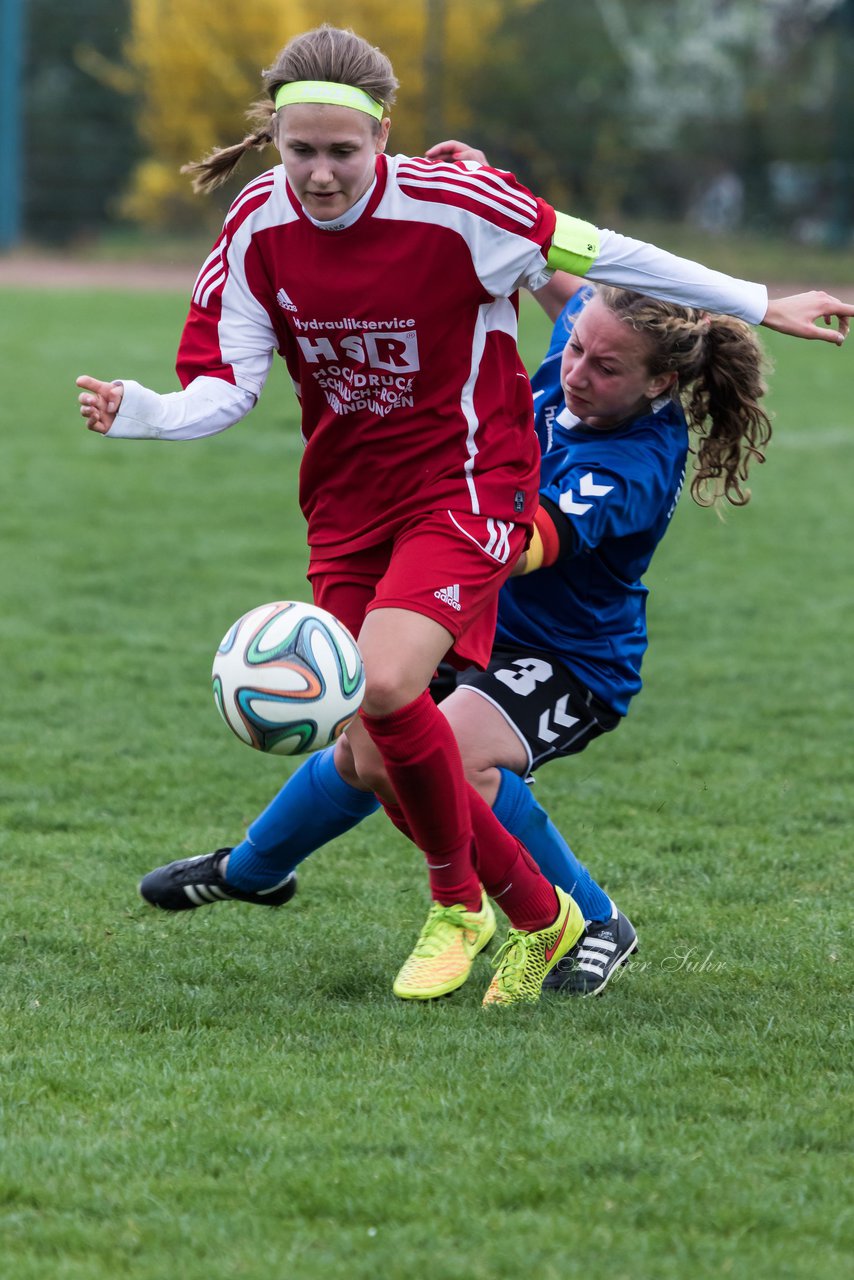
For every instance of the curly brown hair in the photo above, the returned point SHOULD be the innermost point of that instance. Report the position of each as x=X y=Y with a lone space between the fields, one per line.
x=325 y=53
x=720 y=369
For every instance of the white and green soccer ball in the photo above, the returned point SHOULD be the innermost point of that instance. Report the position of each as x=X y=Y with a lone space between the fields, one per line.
x=288 y=678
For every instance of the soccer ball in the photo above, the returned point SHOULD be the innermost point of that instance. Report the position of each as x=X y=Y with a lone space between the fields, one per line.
x=288 y=678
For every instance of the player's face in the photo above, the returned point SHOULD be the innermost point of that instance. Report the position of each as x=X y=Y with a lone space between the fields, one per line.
x=604 y=370
x=328 y=153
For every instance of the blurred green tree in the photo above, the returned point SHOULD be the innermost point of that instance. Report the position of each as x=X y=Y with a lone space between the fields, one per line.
x=551 y=105
x=670 y=107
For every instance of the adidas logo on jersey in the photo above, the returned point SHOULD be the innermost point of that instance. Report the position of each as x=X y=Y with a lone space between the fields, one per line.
x=284 y=301
x=449 y=595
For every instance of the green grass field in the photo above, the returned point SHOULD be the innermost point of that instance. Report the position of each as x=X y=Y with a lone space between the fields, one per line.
x=237 y=1093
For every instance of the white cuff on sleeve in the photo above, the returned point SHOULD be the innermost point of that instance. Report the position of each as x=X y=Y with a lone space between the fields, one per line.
x=633 y=264
x=207 y=406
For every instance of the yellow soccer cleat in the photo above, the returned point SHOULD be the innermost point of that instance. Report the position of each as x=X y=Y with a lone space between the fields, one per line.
x=525 y=958
x=445 y=951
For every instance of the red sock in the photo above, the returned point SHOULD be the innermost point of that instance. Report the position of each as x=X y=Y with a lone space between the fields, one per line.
x=425 y=769
x=509 y=873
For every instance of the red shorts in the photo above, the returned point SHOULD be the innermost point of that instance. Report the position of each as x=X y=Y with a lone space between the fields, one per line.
x=446 y=566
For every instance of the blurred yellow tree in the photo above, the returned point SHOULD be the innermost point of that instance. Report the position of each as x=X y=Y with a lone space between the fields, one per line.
x=196 y=67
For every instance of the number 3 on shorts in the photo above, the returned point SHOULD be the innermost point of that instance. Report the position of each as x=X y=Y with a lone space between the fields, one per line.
x=528 y=673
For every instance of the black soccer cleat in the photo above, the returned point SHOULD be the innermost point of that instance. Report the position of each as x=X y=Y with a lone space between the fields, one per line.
x=587 y=969
x=196 y=882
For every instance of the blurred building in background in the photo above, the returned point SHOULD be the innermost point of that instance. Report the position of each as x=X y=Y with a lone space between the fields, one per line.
x=729 y=113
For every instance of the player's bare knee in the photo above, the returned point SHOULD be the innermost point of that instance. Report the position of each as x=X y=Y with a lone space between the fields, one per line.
x=345 y=762
x=387 y=691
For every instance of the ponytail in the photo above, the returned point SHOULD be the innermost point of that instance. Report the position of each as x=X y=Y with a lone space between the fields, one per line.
x=723 y=407
x=217 y=168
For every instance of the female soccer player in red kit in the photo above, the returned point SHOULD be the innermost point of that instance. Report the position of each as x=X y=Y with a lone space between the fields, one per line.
x=388 y=286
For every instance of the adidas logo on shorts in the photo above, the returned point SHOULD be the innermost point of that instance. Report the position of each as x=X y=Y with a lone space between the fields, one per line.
x=449 y=595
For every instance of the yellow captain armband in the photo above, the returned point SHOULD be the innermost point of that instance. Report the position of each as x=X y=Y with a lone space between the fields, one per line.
x=534 y=556
x=575 y=245
x=551 y=538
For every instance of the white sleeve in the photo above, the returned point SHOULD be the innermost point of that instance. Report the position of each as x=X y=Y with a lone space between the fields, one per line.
x=633 y=264
x=206 y=406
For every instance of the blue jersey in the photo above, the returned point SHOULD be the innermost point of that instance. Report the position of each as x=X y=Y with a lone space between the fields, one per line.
x=618 y=490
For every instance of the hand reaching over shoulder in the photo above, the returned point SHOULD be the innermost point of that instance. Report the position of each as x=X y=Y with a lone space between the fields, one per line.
x=99 y=402
x=452 y=150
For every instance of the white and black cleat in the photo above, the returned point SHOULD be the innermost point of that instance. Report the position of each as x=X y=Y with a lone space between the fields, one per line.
x=198 y=882
x=587 y=969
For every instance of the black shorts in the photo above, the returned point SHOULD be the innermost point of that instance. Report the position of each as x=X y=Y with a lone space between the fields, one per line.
x=551 y=711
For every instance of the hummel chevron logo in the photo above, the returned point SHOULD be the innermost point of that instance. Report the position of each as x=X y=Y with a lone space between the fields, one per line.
x=560 y=717
x=284 y=301
x=449 y=595
x=587 y=488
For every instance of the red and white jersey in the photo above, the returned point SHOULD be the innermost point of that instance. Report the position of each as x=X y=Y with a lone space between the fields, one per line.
x=398 y=328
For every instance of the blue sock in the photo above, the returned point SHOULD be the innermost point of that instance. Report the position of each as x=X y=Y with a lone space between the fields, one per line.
x=313 y=807
x=518 y=811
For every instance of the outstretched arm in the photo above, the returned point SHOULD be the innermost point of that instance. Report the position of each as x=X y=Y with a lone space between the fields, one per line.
x=798 y=315
x=126 y=410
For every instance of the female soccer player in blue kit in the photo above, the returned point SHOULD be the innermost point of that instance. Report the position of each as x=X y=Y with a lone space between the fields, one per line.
x=571 y=629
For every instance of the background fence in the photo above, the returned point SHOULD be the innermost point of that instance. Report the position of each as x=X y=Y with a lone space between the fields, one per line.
x=731 y=116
